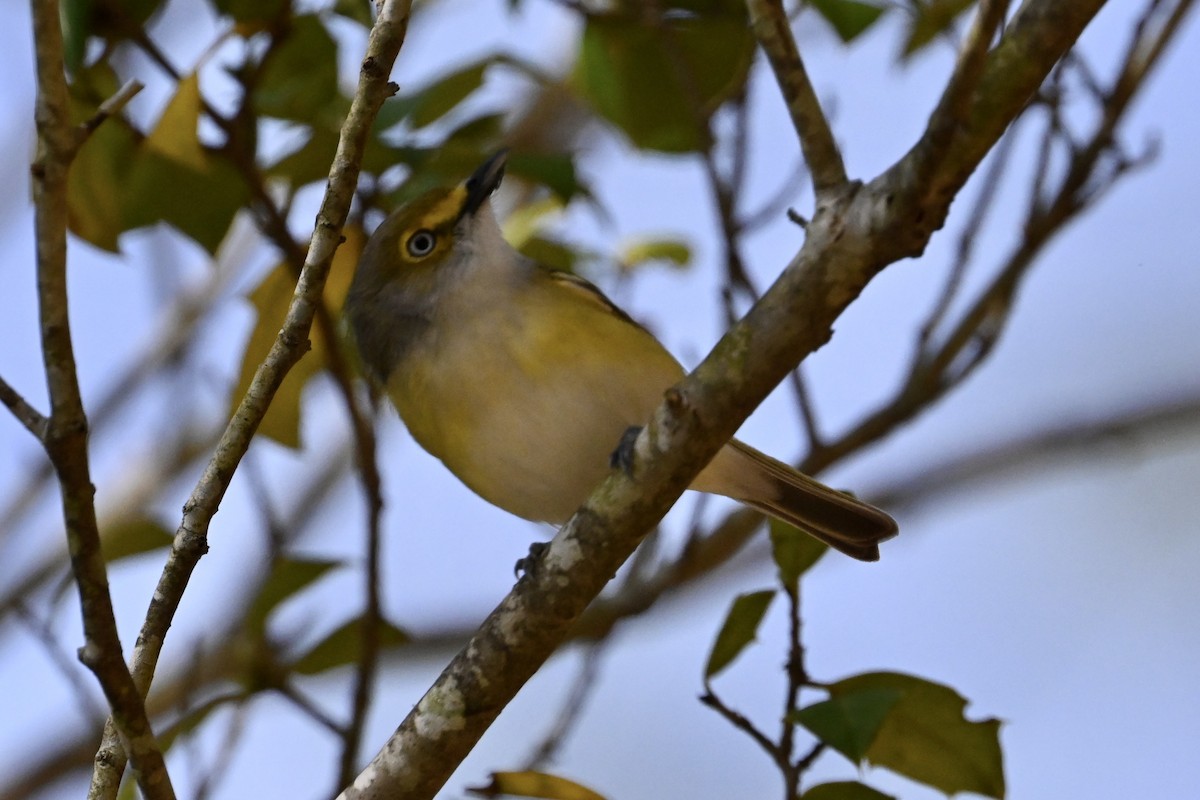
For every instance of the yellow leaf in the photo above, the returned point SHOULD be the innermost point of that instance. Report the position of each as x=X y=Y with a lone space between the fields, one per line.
x=271 y=299
x=535 y=784
x=175 y=136
x=524 y=223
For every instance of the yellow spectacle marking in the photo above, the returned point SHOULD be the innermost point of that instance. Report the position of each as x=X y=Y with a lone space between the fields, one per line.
x=444 y=210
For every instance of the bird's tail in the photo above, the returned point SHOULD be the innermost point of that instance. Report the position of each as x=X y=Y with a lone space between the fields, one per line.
x=772 y=487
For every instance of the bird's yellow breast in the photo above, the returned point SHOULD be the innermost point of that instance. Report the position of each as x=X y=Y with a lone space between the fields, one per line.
x=526 y=400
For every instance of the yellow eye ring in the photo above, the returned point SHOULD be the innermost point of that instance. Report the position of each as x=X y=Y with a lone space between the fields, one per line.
x=421 y=243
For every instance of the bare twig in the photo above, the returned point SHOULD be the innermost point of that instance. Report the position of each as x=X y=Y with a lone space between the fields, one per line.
x=85 y=699
x=743 y=724
x=797 y=679
x=368 y=659
x=108 y=108
x=26 y=414
x=66 y=430
x=967 y=238
x=581 y=689
x=954 y=107
x=969 y=340
x=821 y=153
x=1106 y=436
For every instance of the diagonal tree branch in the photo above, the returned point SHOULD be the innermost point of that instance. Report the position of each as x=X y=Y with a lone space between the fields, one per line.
x=851 y=238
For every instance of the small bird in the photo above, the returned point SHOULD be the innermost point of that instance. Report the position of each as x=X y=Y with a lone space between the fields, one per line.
x=523 y=380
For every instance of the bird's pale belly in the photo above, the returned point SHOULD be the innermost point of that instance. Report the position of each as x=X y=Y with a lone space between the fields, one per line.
x=534 y=447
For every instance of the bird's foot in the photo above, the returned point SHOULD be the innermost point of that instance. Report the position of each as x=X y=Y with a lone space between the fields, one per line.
x=622 y=457
x=529 y=564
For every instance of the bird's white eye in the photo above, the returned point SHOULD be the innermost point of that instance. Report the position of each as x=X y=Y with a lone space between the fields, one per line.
x=421 y=243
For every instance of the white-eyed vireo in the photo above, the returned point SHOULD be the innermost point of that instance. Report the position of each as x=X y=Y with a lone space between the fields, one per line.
x=523 y=380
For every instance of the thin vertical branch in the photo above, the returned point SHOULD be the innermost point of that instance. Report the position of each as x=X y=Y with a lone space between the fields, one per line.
x=66 y=430
x=774 y=33
x=191 y=539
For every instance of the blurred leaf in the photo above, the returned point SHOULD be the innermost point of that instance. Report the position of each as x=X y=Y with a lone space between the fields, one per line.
x=254 y=15
x=554 y=254
x=660 y=85
x=554 y=171
x=97 y=181
x=173 y=178
x=848 y=17
x=931 y=18
x=186 y=724
x=175 y=136
x=76 y=26
x=739 y=630
x=927 y=738
x=109 y=19
x=525 y=222
x=534 y=784
x=431 y=103
x=201 y=204
x=97 y=185
x=848 y=722
x=844 y=790
x=638 y=253
x=271 y=299
x=357 y=10
x=311 y=161
x=299 y=78
x=134 y=537
x=289 y=576
x=794 y=551
x=343 y=645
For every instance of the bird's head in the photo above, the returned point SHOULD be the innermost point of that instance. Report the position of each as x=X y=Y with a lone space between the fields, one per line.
x=418 y=257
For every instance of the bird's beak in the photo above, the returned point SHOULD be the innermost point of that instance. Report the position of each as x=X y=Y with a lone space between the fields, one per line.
x=484 y=181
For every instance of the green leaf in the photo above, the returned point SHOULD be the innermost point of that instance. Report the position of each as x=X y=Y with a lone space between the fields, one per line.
x=109 y=19
x=848 y=722
x=357 y=10
x=343 y=645
x=672 y=252
x=661 y=84
x=849 y=18
x=299 y=78
x=554 y=171
x=553 y=253
x=289 y=576
x=97 y=185
x=254 y=15
x=201 y=204
x=739 y=630
x=931 y=18
x=794 y=551
x=271 y=299
x=431 y=103
x=175 y=136
x=134 y=537
x=75 y=16
x=534 y=784
x=844 y=790
x=927 y=738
